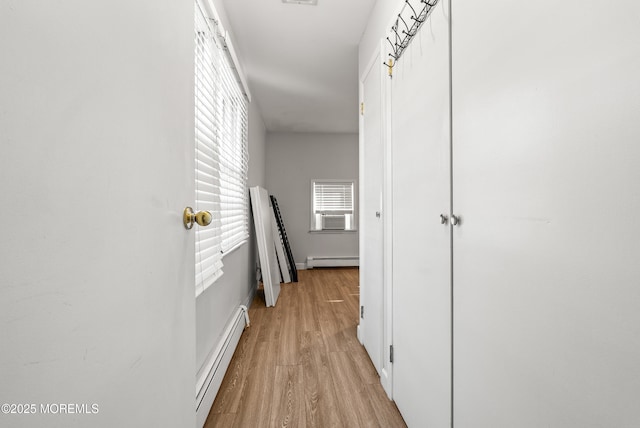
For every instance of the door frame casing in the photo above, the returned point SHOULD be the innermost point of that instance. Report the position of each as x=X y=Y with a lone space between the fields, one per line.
x=386 y=371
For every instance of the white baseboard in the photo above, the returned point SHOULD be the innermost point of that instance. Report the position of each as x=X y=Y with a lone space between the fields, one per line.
x=332 y=261
x=301 y=266
x=385 y=380
x=209 y=382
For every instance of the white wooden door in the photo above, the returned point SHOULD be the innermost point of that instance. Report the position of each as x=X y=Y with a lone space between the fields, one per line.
x=546 y=102
x=371 y=170
x=421 y=243
x=97 y=300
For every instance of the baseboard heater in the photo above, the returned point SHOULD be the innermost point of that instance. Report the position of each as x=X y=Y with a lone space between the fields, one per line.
x=210 y=377
x=332 y=261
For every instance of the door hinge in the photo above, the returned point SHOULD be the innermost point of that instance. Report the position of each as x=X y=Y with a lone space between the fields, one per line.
x=391 y=353
x=361 y=109
x=361 y=311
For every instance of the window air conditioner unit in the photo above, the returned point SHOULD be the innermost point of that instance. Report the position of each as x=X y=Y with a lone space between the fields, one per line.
x=333 y=222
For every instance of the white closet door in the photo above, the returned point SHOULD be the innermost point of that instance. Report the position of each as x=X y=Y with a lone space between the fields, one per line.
x=546 y=108
x=421 y=244
x=372 y=272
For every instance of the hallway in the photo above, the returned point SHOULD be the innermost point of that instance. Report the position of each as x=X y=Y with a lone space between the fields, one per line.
x=300 y=364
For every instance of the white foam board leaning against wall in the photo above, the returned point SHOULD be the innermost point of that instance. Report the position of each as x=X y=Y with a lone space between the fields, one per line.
x=266 y=245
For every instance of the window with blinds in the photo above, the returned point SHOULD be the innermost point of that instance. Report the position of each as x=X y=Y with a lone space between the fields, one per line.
x=234 y=196
x=332 y=205
x=221 y=153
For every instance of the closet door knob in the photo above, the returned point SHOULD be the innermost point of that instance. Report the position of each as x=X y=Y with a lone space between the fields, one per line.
x=203 y=218
x=455 y=220
x=443 y=219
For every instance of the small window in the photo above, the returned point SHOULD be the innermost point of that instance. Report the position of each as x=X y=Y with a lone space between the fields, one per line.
x=333 y=205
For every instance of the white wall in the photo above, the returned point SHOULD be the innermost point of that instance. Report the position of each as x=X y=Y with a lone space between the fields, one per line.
x=292 y=161
x=257 y=146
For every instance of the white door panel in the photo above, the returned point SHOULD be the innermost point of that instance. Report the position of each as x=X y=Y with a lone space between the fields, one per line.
x=546 y=104
x=421 y=244
x=96 y=165
x=372 y=271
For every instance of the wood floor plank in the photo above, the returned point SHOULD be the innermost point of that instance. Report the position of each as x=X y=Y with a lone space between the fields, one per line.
x=271 y=323
x=321 y=402
x=289 y=343
x=308 y=310
x=220 y=420
x=354 y=399
x=320 y=300
x=365 y=367
x=234 y=380
x=330 y=286
x=301 y=365
x=288 y=398
x=333 y=336
x=257 y=398
x=385 y=410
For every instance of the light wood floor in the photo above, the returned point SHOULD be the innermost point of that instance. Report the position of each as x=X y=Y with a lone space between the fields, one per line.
x=300 y=363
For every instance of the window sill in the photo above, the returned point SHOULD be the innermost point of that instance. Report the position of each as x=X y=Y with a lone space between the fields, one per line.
x=235 y=247
x=200 y=291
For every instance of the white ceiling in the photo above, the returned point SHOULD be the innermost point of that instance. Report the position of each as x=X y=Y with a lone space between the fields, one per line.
x=301 y=61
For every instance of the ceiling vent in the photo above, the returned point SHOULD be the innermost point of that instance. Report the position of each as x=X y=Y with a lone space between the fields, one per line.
x=307 y=2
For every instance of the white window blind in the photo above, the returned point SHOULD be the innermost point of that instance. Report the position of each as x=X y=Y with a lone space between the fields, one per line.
x=208 y=239
x=333 y=197
x=221 y=152
x=234 y=197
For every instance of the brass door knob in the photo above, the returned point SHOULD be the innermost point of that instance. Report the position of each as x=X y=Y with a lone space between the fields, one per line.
x=203 y=218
